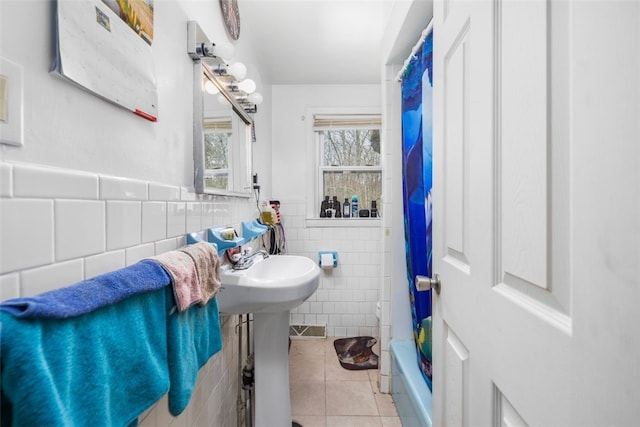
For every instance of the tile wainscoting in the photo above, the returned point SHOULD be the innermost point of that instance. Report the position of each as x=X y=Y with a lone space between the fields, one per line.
x=60 y=226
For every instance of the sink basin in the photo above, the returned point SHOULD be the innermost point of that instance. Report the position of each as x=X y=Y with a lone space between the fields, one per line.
x=274 y=284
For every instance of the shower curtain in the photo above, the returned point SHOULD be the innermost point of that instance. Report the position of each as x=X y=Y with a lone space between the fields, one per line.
x=417 y=89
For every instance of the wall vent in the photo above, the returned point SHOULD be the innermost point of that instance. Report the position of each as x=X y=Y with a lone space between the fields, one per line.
x=307 y=331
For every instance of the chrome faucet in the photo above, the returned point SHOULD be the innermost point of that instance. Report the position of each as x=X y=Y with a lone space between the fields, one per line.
x=246 y=259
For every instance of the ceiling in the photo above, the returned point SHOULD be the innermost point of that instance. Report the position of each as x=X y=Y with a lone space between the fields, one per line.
x=316 y=41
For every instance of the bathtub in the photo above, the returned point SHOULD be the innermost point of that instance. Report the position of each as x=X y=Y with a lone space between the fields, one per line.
x=410 y=393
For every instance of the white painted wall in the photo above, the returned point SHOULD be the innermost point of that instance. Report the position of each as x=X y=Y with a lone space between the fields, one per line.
x=96 y=188
x=67 y=127
x=290 y=104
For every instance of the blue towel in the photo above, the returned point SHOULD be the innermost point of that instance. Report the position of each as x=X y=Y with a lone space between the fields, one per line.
x=102 y=368
x=193 y=336
x=91 y=294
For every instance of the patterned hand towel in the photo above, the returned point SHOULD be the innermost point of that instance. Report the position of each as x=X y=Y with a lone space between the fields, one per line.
x=102 y=368
x=207 y=264
x=91 y=294
x=184 y=278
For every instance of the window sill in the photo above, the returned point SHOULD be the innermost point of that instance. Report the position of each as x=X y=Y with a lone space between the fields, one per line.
x=343 y=222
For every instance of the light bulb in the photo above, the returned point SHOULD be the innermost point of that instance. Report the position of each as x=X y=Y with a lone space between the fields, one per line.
x=255 y=98
x=237 y=70
x=247 y=86
x=210 y=88
x=224 y=50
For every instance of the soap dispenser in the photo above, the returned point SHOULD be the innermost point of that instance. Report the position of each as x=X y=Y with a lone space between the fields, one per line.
x=267 y=213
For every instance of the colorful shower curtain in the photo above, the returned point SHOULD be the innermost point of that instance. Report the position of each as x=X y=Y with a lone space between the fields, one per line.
x=417 y=89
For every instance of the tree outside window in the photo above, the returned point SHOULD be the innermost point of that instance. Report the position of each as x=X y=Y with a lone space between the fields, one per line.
x=216 y=155
x=350 y=159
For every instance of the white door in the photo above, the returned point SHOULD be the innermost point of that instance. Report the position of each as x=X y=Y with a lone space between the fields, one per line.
x=537 y=213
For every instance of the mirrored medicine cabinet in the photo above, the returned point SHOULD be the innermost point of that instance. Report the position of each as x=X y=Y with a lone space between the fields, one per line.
x=222 y=129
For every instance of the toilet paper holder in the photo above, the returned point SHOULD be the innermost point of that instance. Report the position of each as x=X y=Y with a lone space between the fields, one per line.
x=326 y=264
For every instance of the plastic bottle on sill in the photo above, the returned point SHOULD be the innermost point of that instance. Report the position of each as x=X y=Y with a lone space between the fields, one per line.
x=346 y=208
x=354 y=206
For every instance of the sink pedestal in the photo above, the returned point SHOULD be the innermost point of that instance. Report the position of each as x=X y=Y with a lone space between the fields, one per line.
x=269 y=289
x=271 y=348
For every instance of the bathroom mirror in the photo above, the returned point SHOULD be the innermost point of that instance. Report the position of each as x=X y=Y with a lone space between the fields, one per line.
x=222 y=137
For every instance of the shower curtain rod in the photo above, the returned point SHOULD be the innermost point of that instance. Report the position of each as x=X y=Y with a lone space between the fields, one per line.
x=418 y=45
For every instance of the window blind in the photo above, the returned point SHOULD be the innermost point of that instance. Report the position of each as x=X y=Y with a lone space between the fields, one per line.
x=351 y=121
x=222 y=124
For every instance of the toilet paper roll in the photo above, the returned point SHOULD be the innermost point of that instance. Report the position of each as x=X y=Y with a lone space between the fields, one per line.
x=326 y=261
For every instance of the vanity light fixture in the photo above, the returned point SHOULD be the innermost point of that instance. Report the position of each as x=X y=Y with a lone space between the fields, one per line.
x=221 y=76
x=213 y=50
x=237 y=70
x=248 y=86
x=210 y=88
x=249 y=102
x=255 y=98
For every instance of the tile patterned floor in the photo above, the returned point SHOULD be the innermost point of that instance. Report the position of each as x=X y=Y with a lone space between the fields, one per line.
x=324 y=394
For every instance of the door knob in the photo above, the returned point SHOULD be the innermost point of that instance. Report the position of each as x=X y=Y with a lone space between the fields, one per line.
x=424 y=283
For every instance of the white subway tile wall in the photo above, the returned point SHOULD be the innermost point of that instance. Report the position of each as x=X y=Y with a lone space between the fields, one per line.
x=26 y=233
x=347 y=295
x=37 y=280
x=79 y=228
x=391 y=157
x=176 y=219
x=114 y=188
x=154 y=221
x=6 y=180
x=103 y=263
x=58 y=227
x=10 y=286
x=35 y=181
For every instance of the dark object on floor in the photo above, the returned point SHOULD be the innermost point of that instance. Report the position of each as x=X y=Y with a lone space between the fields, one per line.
x=295 y=424
x=355 y=353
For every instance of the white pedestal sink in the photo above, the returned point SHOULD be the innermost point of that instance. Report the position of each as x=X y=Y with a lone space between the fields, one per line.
x=269 y=289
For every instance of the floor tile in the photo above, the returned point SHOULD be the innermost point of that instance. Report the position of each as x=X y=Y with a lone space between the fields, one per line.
x=353 y=421
x=350 y=398
x=306 y=367
x=307 y=347
x=386 y=408
x=324 y=394
x=390 y=422
x=312 y=420
x=307 y=398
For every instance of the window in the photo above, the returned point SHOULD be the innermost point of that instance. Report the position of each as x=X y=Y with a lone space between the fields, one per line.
x=349 y=158
x=217 y=136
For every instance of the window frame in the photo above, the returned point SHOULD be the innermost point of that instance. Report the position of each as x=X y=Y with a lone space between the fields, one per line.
x=315 y=160
x=210 y=127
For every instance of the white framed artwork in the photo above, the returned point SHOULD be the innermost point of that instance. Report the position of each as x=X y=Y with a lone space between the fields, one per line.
x=11 y=103
x=104 y=46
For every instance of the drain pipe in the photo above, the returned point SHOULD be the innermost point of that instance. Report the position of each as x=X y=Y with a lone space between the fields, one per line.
x=239 y=403
x=249 y=378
